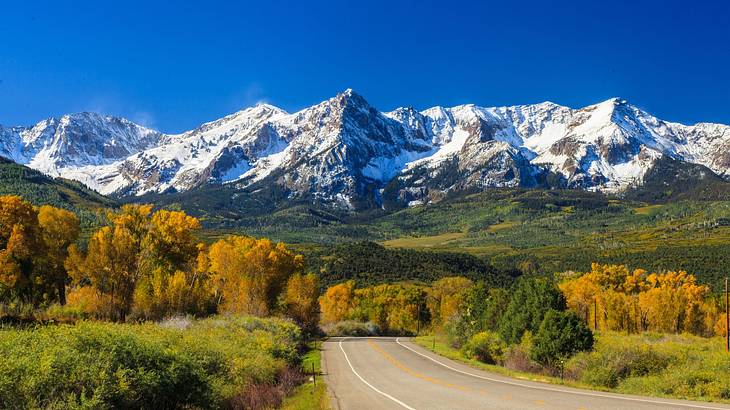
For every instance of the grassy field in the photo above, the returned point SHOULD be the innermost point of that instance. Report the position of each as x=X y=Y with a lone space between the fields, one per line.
x=672 y=366
x=433 y=241
x=310 y=396
x=238 y=362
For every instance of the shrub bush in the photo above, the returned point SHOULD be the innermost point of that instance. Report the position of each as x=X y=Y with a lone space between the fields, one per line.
x=561 y=334
x=101 y=365
x=352 y=328
x=487 y=347
x=610 y=366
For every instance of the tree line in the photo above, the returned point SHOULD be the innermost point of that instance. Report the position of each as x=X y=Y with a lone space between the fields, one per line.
x=146 y=265
x=613 y=297
x=541 y=319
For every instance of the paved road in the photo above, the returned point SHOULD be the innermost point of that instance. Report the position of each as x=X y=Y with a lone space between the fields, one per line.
x=393 y=373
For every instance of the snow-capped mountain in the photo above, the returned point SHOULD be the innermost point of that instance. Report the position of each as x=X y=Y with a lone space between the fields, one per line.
x=343 y=149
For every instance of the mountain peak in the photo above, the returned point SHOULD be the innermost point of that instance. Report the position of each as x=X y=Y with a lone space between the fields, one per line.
x=344 y=146
x=616 y=101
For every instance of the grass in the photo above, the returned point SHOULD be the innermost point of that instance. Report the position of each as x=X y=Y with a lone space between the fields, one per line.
x=677 y=366
x=308 y=396
x=671 y=366
x=425 y=241
x=647 y=210
x=217 y=362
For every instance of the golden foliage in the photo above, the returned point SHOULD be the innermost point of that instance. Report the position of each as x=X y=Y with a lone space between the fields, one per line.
x=337 y=301
x=301 y=300
x=59 y=230
x=33 y=246
x=638 y=301
x=445 y=296
x=248 y=274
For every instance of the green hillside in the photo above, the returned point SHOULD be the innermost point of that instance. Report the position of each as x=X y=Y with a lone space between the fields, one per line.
x=530 y=230
x=41 y=189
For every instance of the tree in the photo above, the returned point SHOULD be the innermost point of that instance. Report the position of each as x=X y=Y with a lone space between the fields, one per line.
x=445 y=297
x=113 y=262
x=14 y=211
x=16 y=265
x=481 y=310
x=531 y=299
x=337 y=302
x=20 y=251
x=249 y=274
x=170 y=282
x=59 y=229
x=637 y=301
x=301 y=300
x=560 y=335
x=672 y=301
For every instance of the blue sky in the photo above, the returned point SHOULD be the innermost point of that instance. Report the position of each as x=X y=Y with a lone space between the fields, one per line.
x=174 y=65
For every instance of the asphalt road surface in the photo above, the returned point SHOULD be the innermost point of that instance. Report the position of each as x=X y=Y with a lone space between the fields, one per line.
x=393 y=373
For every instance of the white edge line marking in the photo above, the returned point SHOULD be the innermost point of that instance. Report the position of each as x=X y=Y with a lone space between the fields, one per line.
x=370 y=385
x=581 y=393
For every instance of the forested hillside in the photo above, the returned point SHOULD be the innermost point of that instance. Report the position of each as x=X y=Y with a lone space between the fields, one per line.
x=41 y=189
x=528 y=230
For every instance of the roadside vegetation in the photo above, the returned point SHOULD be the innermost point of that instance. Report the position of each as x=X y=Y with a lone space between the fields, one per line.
x=219 y=362
x=611 y=328
x=311 y=395
x=143 y=315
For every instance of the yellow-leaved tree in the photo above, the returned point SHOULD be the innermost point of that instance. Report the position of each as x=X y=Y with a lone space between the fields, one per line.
x=59 y=230
x=300 y=300
x=248 y=274
x=337 y=301
x=445 y=296
x=638 y=301
x=112 y=263
x=170 y=282
x=21 y=253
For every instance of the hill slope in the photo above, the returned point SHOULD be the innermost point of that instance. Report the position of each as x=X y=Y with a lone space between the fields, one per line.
x=41 y=189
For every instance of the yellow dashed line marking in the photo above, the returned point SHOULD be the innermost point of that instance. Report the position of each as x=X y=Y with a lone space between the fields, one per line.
x=413 y=373
x=430 y=379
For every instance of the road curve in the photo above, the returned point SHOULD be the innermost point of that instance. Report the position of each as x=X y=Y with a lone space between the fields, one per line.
x=393 y=373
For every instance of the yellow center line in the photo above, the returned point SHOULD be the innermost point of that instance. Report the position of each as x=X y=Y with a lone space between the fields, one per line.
x=413 y=373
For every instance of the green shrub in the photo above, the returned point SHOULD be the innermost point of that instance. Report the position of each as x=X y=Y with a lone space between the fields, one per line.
x=102 y=365
x=561 y=334
x=487 y=347
x=610 y=366
x=531 y=299
x=682 y=366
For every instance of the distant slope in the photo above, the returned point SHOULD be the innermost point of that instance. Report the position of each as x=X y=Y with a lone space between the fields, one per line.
x=671 y=180
x=41 y=189
x=368 y=263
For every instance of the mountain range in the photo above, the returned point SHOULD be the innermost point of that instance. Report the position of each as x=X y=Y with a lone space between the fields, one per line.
x=345 y=152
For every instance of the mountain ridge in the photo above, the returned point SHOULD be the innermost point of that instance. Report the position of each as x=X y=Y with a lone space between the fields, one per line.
x=344 y=151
